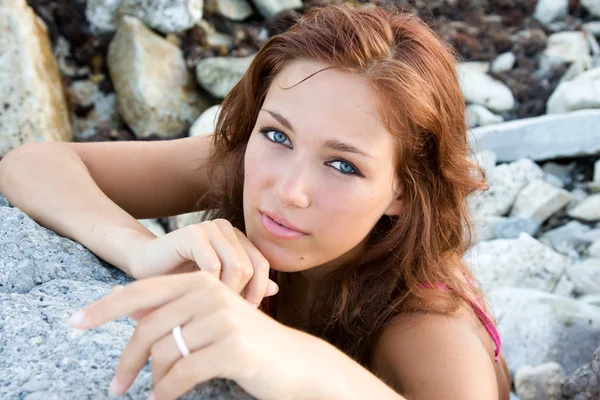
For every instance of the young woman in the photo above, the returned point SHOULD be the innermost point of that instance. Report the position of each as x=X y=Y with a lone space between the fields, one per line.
x=339 y=170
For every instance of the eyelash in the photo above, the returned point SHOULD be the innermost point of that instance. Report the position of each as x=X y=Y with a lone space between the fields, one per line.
x=265 y=132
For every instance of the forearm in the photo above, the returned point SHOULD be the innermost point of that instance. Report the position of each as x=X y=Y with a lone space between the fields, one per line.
x=340 y=377
x=55 y=189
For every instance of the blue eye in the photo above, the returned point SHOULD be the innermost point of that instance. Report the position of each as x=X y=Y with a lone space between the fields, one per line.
x=275 y=136
x=345 y=168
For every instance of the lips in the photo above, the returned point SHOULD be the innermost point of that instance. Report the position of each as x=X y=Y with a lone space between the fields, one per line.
x=282 y=222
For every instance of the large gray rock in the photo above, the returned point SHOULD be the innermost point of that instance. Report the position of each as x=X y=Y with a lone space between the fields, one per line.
x=584 y=384
x=480 y=88
x=538 y=327
x=33 y=106
x=541 y=138
x=154 y=97
x=522 y=262
x=218 y=75
x=44 y=278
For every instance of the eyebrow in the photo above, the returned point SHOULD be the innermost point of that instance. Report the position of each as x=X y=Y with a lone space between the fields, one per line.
x=333 y=144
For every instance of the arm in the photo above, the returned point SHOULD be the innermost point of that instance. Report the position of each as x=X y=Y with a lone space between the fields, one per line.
x=430 y=356
x=93 y=192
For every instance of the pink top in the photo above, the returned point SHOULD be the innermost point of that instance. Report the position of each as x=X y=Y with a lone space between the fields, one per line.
x=269 y=306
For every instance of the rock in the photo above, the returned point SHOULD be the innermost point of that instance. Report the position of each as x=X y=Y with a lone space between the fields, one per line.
x=583 y=384
x=547 y=11
x=92 y=109
x=593 y=27
x=588 y=209
x=504 y=62
x=592 y=299
x=562 y=172
x=538 y=327
x=569 y=236
x=592 y=6
x=218 y=75
x=594 y=249
x=154 y=97
x=513 y=396
x=153 y=226
x=207 y=123
x=597 y=172
x=64 y=60
x=486 y=160
x=565 y=287
x=504 y=187
x=270 y=8
x=522 y=262
x=163 y=15
x=540 y=382
x=511 y=228
x=235 y=10
x=45 y=278
x=183 y=220
x=480 y=88
x=568 y=47
x=586 y=276
x=541 y=138
x=478 y=115
x=33 y=106
x=579 y=93
x=539 y=201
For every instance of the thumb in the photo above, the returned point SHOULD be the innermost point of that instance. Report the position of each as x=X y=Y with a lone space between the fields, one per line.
x=272 y=288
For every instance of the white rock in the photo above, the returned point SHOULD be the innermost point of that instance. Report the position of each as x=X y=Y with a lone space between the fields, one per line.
x=593 y=27
x=541 y=138
x=597 y=171
x=504 y=62
x=588 y=209
x=235 y=10
x=153 y=226
x=565 y=286
x=579 y=93
x=218 y=75
x=592 y=6
x=539 y=201
x=591 y=299
x=566 y=237
x=568 y=46
x=33 y=107
x=484 y=226
x=183 y=220
x=594 y=249
x=504 y=186
x=547 y=11
x=206 y=124
x=64 y=59
x=480 y=88
x=163 y=15
x=560 y=171
x=540 y=382
x=522 y=262
x=478 y=115
x=538 y=327
x=270 y=8
x=154 y=97
x=586 y=276
x=486 y=160
x=103 y=115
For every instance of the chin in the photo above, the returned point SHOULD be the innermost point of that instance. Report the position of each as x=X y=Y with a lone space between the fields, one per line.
x=281 y=259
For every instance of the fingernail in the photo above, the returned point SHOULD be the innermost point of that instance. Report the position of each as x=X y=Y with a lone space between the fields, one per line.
x=115 y=387
x=77 y=318
x=151 y=396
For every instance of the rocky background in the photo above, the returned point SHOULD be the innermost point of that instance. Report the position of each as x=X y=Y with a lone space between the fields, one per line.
x=100 y=70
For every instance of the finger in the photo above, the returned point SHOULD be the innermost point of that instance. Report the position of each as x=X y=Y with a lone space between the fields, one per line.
x=139 y=295
x=200 y=366
x=136 y=316
x=256 y=288
x=233 y=262
x=197 y=334
x=203 y=253
x=150 y=330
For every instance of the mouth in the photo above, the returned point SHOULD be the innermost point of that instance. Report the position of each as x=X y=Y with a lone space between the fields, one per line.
x=279 y=227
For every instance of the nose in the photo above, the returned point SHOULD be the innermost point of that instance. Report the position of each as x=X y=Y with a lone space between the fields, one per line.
x=292 y=187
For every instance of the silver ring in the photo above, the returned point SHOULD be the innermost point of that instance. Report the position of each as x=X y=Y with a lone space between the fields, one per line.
x=180 y=342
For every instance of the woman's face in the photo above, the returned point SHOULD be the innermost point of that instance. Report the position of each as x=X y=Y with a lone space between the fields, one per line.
x=320 y=158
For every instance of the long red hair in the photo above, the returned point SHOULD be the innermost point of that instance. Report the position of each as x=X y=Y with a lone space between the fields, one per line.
x=419 y=99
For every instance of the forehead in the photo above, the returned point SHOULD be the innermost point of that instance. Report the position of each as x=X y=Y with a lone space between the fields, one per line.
x=331 y=104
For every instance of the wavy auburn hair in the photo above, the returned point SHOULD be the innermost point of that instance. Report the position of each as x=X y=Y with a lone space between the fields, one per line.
x=412 y=72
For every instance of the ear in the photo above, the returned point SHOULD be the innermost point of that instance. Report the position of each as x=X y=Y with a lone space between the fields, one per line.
x=395 y=206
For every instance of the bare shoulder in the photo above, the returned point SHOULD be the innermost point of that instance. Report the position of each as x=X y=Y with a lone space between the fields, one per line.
x=431 y=356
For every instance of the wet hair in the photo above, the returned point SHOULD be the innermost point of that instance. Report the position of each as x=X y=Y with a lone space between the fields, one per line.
x=412 y=72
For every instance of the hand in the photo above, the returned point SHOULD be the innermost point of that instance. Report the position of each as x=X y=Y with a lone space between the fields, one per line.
x=213 y=246
x=227 y=338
